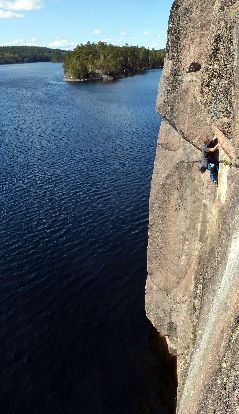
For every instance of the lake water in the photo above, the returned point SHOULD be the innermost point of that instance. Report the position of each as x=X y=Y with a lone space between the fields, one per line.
x=76 y=164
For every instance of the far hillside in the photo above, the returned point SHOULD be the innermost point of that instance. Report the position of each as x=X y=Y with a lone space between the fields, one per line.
x=27 y=54
x=94 y=61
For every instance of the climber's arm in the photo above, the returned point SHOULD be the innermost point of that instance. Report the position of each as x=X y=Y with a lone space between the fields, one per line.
x=214 y=148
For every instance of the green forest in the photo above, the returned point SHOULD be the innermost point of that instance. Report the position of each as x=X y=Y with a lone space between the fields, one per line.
x=27 y=54
x=99 y=60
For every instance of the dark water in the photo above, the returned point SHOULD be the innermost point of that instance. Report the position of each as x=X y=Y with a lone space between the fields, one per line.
x=76 y=163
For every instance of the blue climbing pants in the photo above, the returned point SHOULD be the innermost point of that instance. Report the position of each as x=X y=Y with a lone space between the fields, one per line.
x=213 y=171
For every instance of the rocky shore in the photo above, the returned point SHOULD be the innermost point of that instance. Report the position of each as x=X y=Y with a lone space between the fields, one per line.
x=100 y=76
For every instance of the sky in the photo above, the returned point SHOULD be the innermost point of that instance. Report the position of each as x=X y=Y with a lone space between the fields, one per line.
x=65 y=23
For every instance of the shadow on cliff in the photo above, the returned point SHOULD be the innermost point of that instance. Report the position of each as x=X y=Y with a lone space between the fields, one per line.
x=158 y=387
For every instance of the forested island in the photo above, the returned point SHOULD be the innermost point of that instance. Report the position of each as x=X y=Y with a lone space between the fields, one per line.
x=28 y=54
x=102 y=61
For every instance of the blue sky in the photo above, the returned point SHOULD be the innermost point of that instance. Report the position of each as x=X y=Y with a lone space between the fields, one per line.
x=66 y=23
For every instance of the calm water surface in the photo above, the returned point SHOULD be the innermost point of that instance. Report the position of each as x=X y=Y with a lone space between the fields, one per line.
x=76 y=163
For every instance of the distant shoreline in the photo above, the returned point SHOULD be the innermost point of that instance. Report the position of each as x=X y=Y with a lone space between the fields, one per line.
x=25 y=63
x=11 y=55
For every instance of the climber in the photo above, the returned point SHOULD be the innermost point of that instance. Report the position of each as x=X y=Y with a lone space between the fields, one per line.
x=210 y=158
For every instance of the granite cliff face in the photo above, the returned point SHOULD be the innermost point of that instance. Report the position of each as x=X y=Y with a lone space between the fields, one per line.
x=193 y=254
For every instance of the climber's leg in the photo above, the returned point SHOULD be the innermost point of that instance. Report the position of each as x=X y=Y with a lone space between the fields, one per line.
x=213 y=172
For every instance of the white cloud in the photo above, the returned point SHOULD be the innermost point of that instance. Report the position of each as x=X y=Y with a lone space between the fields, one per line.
x=124 y=33
x=11 y=8
x=57 y=43
x=62 y=44
x=105 y=40
x=21 y=4
x=16 y=42
x=146 y=33
x=13 y=42
x=97 y=32
x=31 y=42
x=7 y=14
x=21 y=42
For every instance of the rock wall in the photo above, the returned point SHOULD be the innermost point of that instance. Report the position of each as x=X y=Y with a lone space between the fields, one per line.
x=193 y=253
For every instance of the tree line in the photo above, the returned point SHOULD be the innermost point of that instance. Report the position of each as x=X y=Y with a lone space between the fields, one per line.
x=94 y=60
x=27 y=54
